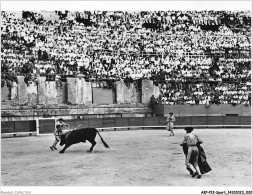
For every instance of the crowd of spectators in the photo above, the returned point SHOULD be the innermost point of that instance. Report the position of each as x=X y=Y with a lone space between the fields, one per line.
x=206 y=93
x=175 y=48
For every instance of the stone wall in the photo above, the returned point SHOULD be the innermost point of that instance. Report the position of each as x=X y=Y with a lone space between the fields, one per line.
x=5 y=93
x=76 y=91
x=9 y=93
x=126 y=94
x=14 y=92
x=79 y=91
x=29 y=112
x=49 y=92
x=27 y=94
x=102 y=96
x=42 y=90
x=149 y=89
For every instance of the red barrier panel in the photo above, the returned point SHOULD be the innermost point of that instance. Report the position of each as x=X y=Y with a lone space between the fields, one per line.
x=150 y=121
x=162 y=121
x=199 y=120
x=138 y=121
x=33 y=126
x=184 y=120
x=108 y=122
x=245 y=120
x=7 y=127
x=25 y=126
x=122 y=122
x=95 y=122
x=46 y=126
x=215 y=120
x=232 y=120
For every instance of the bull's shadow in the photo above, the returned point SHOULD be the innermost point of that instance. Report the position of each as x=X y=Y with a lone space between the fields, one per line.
x=82 y=151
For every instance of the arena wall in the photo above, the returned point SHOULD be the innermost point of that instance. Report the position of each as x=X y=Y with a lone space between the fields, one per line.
x=18 y=113
x=42 y=90
x=76 y=91
x=203 y=110
x=149 y=89
x=5 y=92
x=102 y=96
x=79 y=91
x=47 y=125
x=124 y=106
x=26 y=94
x=126 y=94
x=50 y=93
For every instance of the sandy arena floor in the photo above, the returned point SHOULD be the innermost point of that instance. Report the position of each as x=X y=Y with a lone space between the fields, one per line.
x=135 y=158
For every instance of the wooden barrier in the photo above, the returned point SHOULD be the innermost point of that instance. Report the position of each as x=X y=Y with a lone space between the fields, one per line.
x=245 y=120
x=25 y=126
x=138 y=121
x=199 y=120
x=14 y=128
x=186 y=120
x=231 y=120
x=95 y=122
x=162 y=121
x=150 y=121
x=7 y=127
x=47 y=126
x=215 y=120
x=108 y=122
x=122 y=122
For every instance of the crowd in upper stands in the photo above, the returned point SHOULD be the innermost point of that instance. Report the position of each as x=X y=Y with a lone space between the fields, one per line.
x=197 y=56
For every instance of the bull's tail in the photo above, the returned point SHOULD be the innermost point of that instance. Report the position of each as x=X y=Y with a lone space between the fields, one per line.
x=105 y=144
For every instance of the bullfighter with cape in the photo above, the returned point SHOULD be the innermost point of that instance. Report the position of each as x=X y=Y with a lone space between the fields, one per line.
x=201 y=157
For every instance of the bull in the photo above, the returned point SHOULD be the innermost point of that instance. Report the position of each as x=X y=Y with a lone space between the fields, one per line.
x=80 y=135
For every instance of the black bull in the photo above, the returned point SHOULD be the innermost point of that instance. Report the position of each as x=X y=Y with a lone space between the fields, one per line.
x=80 y=135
